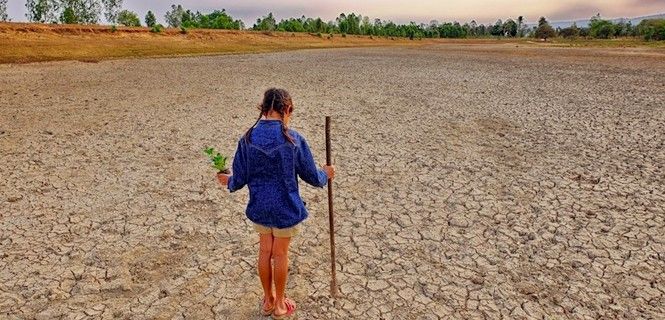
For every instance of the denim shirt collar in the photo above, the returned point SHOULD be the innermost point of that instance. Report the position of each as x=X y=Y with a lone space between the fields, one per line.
x=270 y=121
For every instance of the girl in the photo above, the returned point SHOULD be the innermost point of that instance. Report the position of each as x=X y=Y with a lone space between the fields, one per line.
x=269 y=158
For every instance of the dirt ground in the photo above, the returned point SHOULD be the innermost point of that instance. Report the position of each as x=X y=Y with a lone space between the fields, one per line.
x=473 y=182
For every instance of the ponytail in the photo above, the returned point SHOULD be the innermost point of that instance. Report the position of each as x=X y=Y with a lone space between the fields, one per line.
x=248 y=134
x=277 y=100
x=285 y=132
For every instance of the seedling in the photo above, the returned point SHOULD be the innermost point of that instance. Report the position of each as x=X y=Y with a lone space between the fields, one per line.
x=218 y=160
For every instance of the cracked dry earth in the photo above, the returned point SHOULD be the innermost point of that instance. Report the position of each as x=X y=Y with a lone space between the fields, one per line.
x=473 y=182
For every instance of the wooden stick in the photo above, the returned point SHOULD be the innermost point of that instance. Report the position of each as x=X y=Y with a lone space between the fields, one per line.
x=331 y=219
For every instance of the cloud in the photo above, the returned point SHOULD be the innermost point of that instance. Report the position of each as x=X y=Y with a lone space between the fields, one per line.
x=577 y=10
x=650 y=2
x=574 y=11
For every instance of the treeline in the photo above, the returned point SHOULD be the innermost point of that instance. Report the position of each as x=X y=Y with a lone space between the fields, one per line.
x=82 y=12
x=649 y=29
x=90 y=11
x=599 y=28
x=72 y=11
x=362 y=25
x=185 y=18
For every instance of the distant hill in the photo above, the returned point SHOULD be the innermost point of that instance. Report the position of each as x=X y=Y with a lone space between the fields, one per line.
x=585 y=23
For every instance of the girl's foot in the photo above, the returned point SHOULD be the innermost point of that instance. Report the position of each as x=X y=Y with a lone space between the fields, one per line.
x=268 y=306
x=287 y=309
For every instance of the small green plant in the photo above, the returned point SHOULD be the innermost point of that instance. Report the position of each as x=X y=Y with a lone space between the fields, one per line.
x=157 y=28
x=114 y=28
x=217 y=159
x=319 y=35
x=183 y=30
x=343 y=35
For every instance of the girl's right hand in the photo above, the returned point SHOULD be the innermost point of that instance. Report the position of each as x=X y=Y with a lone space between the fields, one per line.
x=223 y=179
x=330 y=171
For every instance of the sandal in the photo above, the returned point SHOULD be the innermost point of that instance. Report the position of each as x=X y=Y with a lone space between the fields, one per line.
x=266 y=312
x=290 y=310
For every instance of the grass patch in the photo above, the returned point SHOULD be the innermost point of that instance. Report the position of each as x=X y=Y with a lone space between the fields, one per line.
x=24 y=42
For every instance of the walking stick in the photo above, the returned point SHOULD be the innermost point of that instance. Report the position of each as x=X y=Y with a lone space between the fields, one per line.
x=331 y=219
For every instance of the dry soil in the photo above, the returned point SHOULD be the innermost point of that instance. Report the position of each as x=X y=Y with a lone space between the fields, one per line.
x=473 y=182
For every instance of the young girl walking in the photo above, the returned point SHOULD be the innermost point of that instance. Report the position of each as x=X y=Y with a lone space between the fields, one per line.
x=269 y=159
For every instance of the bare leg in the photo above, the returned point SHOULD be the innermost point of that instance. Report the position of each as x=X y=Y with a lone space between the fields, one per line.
x=265 y=269
x=280 y=250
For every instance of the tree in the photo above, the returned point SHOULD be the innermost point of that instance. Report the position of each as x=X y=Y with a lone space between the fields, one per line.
x=481 y=30
x=42 y=10
x=600 y=28
x=319 y=25
x=497 y=29
x=570 y=32
x=266 y=23
x=174 y=17
x=3 y=11
x=111 y=8
x=129 y=19
x=80 y=11
x=510 y=28
x=217 y=20
x=520 y=24
x=291 y=25
x=188 y=19
x=473 y=28
x=651 y=29
x=68 y=16
x=150 y=19
x=342 y=23
x=366 y=27
x=542 y=21
x=544 y=30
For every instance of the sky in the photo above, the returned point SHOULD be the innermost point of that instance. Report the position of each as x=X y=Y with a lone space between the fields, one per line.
x=483 y=11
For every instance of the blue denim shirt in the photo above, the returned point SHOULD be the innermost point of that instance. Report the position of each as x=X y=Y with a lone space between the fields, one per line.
x=270 y=166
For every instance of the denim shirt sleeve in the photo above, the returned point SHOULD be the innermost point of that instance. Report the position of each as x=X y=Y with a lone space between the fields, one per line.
x=239 y=177
x=306 y=167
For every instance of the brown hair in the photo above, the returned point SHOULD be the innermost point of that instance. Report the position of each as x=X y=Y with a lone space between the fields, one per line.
x=278 y=100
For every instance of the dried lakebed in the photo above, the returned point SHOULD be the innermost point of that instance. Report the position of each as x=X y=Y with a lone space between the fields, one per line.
x=473 y=182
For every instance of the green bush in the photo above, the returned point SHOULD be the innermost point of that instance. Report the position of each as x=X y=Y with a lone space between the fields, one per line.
x=652 y=29
x=570 y=32
x=69 y=16
x=545 y=31
x=129 y=19
x=319 y=35
x=157 y=28
x=183 y=30
x=600 y=28
x=343 y=35
x=114 y=28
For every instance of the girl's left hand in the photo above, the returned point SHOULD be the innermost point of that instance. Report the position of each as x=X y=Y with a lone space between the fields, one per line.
x=223 y=178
